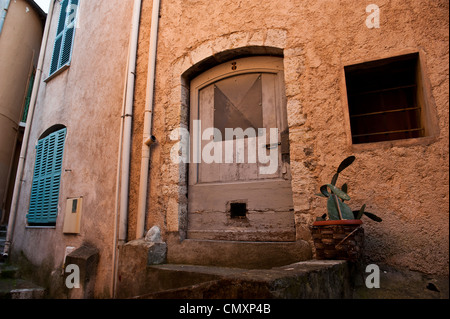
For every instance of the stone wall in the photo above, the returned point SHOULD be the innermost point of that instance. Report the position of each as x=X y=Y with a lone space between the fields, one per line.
x=404 y=182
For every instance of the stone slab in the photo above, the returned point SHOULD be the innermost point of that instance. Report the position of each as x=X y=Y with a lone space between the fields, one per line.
x=308 y=279
x=237 y=254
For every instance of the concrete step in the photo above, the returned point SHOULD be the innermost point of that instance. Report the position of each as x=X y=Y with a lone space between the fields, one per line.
x=307 y=279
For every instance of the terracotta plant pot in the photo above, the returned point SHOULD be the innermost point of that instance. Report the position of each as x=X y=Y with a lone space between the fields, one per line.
x=338 y=239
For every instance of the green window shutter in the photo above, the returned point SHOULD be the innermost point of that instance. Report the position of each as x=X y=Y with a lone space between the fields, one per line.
x=28 y=97
x=47 y=179
x=55 y=58
x=62 y=16
x=62 y=50
x=69 y=32
x=54 y=66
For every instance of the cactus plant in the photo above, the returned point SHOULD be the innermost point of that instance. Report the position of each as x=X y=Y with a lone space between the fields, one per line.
x=336 y=197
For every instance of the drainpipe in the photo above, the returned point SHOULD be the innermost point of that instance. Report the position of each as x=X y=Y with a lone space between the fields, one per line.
x=148 y=139
x=123 y=161
x=26 y=136
x=128 y=117
x=3 y=14
x=117 y=195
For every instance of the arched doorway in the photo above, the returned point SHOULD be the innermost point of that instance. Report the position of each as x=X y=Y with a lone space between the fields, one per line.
x=239 y=174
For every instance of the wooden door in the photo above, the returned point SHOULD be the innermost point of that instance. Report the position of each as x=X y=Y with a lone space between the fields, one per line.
x=239 y=177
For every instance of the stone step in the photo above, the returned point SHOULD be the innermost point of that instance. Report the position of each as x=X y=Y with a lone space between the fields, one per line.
x=2 y=245
x=3 y=234
x=14 y=287
x=237 y=254
x=307 y=279
x=20 y=289
x=199 y=261
x=8 y=272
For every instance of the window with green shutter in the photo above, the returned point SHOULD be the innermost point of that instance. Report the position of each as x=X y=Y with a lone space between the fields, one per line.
x=28 y=97
x=46 y=180
x=65 y=34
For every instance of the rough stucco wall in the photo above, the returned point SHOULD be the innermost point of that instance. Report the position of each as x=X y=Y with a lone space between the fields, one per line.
x=405 y=183
x=87 y=98
x=20 y=42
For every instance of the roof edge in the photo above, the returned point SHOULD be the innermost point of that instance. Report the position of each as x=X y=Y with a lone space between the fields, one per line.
x=38 y=9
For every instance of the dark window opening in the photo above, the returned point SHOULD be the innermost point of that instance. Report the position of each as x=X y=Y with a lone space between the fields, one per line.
x=74 y=206
x=238 y=210
x=384 y=99
x=42 y=224
x=51 y=130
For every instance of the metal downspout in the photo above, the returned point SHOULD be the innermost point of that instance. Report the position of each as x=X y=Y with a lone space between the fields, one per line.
x=128 y=117
x=124 y=156
x=148 y=139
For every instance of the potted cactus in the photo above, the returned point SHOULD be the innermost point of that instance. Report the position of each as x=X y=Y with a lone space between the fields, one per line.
x=339 y=233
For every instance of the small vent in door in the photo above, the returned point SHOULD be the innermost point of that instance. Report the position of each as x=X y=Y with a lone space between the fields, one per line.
x=238 y=210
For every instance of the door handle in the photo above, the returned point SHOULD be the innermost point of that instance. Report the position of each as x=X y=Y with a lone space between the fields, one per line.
x=272 y=146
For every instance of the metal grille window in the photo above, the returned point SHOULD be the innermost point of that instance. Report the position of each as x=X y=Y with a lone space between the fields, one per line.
x=46 y=180
x=65 y=34
x=384 y=99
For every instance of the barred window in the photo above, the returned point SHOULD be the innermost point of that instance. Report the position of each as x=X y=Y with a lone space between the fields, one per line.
x=385 y=100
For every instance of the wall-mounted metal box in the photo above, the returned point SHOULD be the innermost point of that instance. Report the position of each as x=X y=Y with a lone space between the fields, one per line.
x=72 y=218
